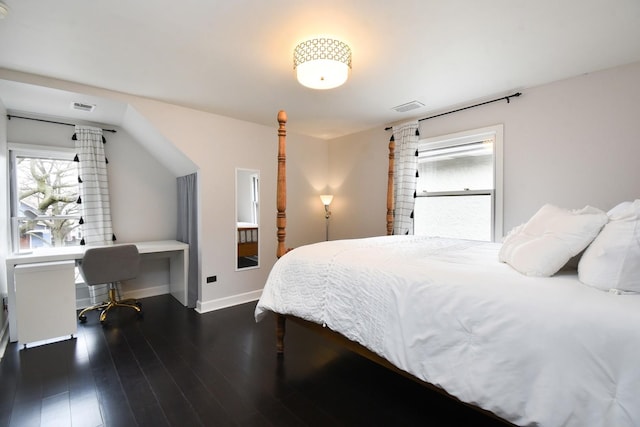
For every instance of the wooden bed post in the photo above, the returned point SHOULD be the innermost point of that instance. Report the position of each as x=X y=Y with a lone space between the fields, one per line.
x=281 y=191
x=280 y=330
x=281 y=221
x=390 y=185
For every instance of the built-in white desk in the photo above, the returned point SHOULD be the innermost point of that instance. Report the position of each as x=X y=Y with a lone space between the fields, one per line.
x=177 y=253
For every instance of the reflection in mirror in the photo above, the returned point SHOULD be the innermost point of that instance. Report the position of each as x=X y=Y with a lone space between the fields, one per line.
x=247 y=218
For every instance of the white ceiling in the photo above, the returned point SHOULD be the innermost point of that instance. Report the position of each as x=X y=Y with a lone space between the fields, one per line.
x=234 y=57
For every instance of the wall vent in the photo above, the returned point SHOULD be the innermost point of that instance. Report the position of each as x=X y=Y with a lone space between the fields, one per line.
x=408 y=106
x=83 y=107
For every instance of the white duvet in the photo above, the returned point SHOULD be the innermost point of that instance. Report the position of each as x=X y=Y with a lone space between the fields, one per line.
x=534 y=351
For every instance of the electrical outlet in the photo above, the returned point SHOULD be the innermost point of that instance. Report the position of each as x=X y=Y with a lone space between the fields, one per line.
x=212 y=279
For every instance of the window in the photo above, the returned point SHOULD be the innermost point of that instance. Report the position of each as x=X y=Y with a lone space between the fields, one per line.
x=44 y=192
x=459 y=189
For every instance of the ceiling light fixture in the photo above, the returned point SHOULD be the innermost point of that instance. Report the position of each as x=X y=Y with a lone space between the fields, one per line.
x=322 y=63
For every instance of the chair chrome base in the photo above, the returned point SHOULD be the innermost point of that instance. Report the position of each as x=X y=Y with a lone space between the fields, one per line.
x=108 y=305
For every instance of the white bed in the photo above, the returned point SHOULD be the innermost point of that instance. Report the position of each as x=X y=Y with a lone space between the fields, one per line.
x=534 y=351
x=506 y=328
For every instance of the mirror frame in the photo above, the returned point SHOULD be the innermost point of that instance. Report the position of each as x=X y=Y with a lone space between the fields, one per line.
x=250 y=208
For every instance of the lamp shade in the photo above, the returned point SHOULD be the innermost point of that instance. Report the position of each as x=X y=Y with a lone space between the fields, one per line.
x=322 y=63
x=326 y=199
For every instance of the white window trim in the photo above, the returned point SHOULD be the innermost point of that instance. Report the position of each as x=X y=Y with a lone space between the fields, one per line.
x=461 y=138
x=30 y=150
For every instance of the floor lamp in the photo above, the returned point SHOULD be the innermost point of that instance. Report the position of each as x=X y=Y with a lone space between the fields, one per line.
x=326 y=201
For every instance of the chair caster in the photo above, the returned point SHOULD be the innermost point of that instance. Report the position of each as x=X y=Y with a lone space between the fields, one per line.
x=82 y=319
x=139 y=314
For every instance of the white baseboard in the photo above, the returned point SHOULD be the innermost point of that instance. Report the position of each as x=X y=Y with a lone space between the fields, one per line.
x=221 y=303
x=201 y=307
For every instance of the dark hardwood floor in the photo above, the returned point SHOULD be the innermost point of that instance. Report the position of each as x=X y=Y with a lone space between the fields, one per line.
x=176 y=367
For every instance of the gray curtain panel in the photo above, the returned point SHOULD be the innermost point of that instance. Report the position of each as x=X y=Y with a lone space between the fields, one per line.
x=188 y=229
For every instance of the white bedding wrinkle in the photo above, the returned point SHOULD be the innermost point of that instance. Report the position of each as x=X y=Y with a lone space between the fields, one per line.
x=535 y=351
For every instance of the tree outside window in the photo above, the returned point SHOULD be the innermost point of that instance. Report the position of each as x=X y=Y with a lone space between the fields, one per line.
x=47 y=191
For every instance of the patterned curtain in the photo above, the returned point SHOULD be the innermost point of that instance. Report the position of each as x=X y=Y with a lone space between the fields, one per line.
x=94 y=188
x=405 y=176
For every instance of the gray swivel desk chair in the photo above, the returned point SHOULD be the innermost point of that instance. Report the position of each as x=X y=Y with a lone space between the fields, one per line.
x=109 y=265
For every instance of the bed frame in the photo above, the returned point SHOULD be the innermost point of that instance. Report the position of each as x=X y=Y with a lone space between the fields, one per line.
x=281 y=222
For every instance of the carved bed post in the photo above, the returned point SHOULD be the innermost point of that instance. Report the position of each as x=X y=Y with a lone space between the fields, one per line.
x=281 y=221
x=390 y=185
x=280 y=330
x=281 y=191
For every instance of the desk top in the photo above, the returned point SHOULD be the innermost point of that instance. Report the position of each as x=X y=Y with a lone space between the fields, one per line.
x=76 y=252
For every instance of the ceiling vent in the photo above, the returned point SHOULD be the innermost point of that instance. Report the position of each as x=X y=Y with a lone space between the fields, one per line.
x=83 y=107
x=408 y=106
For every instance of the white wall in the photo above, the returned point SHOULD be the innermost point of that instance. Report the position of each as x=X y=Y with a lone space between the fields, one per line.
x=143 y=194
x=217 y=145
x=572 y=142
x=358 y=171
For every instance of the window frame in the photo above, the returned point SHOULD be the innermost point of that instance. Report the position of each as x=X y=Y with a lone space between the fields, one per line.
x=496 y=132
x=33 y=151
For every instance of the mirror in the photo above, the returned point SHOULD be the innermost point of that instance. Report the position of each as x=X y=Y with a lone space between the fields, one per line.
x=247 y=218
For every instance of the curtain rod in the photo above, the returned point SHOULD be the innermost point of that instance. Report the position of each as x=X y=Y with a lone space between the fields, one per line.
x=507 y=98
x=9 y=116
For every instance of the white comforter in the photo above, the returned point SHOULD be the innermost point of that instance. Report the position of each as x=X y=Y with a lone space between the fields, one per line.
x=535 y=351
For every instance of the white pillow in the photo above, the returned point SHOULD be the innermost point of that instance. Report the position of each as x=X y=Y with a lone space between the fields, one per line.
x=544 y=244
x=612 y=261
